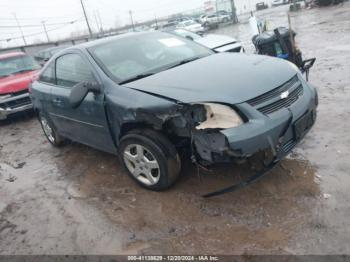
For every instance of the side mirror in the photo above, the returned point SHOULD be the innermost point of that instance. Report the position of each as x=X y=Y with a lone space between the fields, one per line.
x=189 y=37
x=80 y=91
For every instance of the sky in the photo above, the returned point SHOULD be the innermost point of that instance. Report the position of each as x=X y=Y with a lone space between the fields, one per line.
x=65 y=17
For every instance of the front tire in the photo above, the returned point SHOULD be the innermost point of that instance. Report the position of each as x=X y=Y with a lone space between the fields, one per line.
x=49 y=131
x=150 y=159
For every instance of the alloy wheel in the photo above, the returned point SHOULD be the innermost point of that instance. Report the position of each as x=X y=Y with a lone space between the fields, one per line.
x=47 y=129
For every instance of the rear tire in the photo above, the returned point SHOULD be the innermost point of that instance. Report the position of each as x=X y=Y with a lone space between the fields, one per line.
x=150 y=159
x=49 y=131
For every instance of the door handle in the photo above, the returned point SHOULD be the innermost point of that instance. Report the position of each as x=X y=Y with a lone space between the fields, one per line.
x=57 y=102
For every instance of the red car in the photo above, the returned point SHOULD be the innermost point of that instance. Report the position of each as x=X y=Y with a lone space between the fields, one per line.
x=17 y=71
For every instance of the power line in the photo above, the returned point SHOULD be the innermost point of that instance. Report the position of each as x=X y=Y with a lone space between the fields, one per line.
x=36 y=25
x=46 y=18
x=40 y=33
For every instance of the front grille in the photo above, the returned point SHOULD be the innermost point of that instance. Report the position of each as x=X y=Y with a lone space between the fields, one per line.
x=22 y=101
x=283 y=103
x=271 y=101
x=16 y=93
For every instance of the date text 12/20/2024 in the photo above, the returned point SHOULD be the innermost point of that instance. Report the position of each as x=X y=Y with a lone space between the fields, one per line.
x=173 y=258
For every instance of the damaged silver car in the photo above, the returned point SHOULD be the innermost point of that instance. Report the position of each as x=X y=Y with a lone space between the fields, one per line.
x=148 y=96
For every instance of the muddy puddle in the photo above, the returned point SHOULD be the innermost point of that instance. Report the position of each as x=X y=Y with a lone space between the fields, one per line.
x=260 y=216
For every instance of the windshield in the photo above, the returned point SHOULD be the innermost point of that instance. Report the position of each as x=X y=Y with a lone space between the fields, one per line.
x=127 y=57
x=17 y=64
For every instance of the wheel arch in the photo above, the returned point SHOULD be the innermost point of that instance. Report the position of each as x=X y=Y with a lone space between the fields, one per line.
x=127 y=127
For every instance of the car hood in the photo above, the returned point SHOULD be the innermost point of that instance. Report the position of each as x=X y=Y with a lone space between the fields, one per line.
x=213 y=41
x=224 y=77
x=17 y=82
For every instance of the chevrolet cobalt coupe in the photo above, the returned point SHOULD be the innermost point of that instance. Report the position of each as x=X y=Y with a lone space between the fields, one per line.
x=148 y=96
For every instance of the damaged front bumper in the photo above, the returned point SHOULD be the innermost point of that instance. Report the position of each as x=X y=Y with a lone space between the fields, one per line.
x=278 y=132
x=14 y=103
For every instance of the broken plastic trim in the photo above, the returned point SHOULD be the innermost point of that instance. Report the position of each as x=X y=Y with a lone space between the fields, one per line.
x=258 y=175
x=242 y=184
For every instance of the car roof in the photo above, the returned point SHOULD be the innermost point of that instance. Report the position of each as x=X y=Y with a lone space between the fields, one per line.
x=12 y=54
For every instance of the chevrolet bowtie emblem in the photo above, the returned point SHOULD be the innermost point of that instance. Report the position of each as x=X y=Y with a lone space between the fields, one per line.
x=284 y=95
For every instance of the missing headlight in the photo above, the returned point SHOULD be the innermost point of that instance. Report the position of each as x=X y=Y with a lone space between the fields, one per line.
x=219 y=116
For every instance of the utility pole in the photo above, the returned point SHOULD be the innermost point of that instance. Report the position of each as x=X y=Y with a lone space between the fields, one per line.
x=234 y=14
x=47 y=35
x=96 y=21
x=155 y=18
x=216 y=6
x=20 y=29
x=86 y=19
x=132 y=21
x=99 y=19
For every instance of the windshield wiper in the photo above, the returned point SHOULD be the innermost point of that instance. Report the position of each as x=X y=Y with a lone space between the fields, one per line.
x=140 y=76
x=185 y=61
x=134 y=78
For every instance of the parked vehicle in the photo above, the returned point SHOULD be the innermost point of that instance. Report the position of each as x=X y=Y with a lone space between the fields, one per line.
x=17 y=70
x=280 y=2
x=210 y=21
x=261 y=6
x=191 y=26
x=180 y=19
x=44 y=55
x=201 y=19
x=218 y=43
x=170 y=25
x=147 y=96
x=224 y=16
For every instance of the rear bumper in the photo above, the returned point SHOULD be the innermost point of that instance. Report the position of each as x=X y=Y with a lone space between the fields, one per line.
x=278 y=132
x=15 y=104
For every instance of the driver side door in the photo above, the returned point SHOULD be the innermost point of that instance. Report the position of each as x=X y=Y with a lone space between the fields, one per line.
x=87 y=123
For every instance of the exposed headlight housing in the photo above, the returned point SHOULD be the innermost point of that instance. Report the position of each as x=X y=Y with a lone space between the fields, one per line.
x=219 y=116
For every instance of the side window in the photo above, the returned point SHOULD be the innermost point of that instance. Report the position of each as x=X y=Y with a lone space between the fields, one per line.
x=48 y=75
x=71 y=69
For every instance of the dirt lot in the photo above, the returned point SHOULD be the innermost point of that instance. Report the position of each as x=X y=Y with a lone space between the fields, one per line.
x=77 y=200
